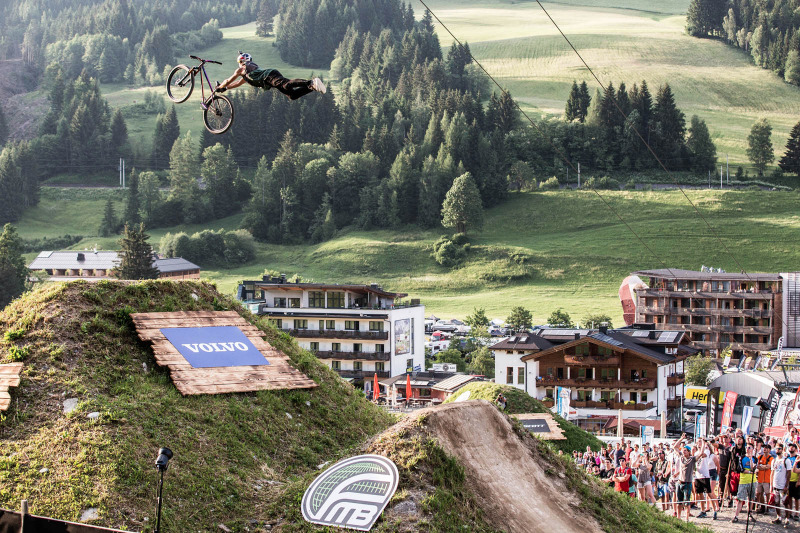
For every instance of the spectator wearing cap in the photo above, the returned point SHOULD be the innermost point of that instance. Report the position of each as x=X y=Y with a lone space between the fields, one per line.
x=622 y=476
x=747 y=480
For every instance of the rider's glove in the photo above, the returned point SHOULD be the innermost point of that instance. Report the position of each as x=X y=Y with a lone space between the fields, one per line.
x=221 y=89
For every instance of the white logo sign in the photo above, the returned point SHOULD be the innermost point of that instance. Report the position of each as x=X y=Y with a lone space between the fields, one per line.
x=352 y=493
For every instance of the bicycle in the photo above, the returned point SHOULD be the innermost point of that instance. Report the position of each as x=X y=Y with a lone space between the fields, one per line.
x=217 y=109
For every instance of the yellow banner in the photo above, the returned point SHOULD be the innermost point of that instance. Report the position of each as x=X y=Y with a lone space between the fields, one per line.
x=700 y=394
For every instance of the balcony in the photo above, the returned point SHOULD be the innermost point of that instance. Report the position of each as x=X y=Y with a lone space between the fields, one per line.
x=591 y=360
x=711 y=345
x=362 y=374
x=674 y=404
x=611 y=405
x=675 y=379
x=338 y=334
x=548 y=381
x=702 y=311
x=353 y=356
x=662 y=293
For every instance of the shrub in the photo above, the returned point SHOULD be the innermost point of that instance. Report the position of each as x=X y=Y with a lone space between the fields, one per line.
x=459 y=239
x=449 y=254
x=630 y=185
x=550 y=184
x=604 y=183
x=210 y=247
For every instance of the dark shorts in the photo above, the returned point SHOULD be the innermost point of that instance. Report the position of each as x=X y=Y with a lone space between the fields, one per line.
x=684 y=492
x=713 y=474
x=702 y=485
x=794 y=490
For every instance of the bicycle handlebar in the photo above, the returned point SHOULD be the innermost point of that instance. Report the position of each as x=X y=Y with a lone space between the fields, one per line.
x=205 y=60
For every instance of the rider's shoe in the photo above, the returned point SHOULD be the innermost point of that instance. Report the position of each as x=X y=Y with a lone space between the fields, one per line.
x=318 y=86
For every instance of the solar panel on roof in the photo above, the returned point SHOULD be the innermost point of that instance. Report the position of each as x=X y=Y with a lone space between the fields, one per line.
x=641 y=333
x=523 y=339
x=668 y=336
x=606 y=339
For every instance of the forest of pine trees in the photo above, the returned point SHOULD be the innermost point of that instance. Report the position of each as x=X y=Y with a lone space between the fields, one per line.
x=768 y=31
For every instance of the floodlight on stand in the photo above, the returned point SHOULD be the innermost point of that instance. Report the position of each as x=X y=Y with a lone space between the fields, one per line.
x=162 y=463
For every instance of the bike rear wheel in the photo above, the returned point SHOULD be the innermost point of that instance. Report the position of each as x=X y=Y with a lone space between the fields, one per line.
x=218 y=114
x=180 y=84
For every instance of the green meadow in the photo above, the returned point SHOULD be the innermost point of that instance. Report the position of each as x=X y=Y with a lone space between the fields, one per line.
x=543 y=251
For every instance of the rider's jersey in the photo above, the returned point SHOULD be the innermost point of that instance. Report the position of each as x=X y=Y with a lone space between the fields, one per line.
x=257 y=77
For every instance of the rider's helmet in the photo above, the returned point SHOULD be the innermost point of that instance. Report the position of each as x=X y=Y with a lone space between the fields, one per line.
x=244 y=58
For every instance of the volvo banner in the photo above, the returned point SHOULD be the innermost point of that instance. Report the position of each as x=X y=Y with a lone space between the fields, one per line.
x=215 y=346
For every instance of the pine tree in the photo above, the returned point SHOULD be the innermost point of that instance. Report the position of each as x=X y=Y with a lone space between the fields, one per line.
x=572 y=109
x=13 y=272
x=704 y=153
x=502 y=113
x=136 y=255
x=462 y=208
x=759 y=145
x=790 y=162
x=184 y=169
x=218 y=172
x=119 y=134
x=671 y=128
x=131 y=216
x=109 y=224
x=3 y=128
x=585 y=102
x=167 y=132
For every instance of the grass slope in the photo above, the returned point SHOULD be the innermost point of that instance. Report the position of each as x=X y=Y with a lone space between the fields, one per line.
x=520 y=402
x=233 y=452
x=622 y=41
x=540 y=250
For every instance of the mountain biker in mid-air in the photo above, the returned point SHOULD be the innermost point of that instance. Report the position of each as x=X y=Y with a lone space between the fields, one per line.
x=267 y=78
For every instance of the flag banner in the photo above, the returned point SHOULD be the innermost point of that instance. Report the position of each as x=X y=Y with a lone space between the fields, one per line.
x=727 y=410
x=747 y=416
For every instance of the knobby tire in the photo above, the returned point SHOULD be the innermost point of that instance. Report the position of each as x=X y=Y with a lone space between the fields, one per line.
x=180 y=84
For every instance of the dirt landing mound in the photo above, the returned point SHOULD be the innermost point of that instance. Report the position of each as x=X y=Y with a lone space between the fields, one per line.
x=507 y=477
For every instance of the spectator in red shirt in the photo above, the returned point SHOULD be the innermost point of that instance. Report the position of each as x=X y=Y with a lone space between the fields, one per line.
x=622 y=476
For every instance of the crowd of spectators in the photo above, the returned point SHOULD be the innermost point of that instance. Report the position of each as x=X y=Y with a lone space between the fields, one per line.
x=731 y=468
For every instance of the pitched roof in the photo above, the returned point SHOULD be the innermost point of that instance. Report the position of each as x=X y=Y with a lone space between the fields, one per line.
x=677 y=273
x=618 y=342
x=523 y=341
x=99 y=260
x=454 y=383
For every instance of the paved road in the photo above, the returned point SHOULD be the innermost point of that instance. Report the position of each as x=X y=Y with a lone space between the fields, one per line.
x=758 y=523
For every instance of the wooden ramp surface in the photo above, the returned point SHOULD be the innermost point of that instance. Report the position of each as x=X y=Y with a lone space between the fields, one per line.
x=555 y=432
x=9 y=377
x=279 y=374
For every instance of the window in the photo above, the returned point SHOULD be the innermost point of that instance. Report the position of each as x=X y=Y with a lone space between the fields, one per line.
x=336 y=365
x=379 y=348
x=644 y=397
x=375 y=325
x=336 y=346
x=608 y=373
x=581 y=373
x=277 y=322
x=314 y=346
x=300 y=323
x=605 y=395
x=294 y=302
x=316 y=299
x=550 y=372
x=560 y=373
x=510 y=374
x=548 y=393
x=583 y=349
x=633 y=397
x=604 y=351
x=279 y=302
x=321 y=325
x=409 y=365
x=357 y=347
x=521 y=375
x=584 y=395
x=379 y=366
x=351 y=325
x=330 y=324
x=358 y=366
x=336 y=299
x=644 y=373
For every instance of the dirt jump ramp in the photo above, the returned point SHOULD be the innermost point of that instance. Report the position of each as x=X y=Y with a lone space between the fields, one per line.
x=507 y=477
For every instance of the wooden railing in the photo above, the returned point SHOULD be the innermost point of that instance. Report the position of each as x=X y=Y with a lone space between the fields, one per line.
x=353 y=356
x=547 y=381
x=338 y=334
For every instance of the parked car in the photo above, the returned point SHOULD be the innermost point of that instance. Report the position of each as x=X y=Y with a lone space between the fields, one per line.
x=444 y=325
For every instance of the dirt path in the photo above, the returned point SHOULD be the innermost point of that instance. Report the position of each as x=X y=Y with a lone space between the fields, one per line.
x=511 y=485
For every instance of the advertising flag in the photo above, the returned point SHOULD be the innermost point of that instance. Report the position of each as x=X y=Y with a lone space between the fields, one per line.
x=727 y=410
x=747 y=415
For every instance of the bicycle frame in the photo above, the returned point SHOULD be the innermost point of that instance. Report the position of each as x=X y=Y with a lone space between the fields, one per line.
x=199 y=68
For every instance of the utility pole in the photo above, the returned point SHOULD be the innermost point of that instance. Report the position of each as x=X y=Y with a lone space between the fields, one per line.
x=709 y=179
x=579 y=175
x=119 y=169
x=727 y=171
x=720 y=177
x=123 y=173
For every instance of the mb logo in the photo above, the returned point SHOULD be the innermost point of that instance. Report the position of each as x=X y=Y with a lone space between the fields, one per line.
x=352 y=493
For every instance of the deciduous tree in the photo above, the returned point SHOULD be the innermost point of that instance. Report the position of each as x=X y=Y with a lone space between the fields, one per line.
x=477 y=318
x=560 y=319
x=759 y=145
x=482 y=362
x=519 y=319
x=462 y=208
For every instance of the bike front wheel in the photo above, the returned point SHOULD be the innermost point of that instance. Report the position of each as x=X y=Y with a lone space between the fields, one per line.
x=218 y=114
x=180 y=84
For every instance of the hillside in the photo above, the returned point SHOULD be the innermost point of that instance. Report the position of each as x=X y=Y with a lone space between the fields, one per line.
x=231 y=451
x=625 y=41
x=539 y=250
